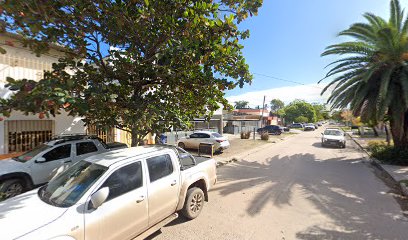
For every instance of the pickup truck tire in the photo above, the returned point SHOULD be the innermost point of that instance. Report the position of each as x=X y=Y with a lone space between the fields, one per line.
x=194 y=203
x=11 y=187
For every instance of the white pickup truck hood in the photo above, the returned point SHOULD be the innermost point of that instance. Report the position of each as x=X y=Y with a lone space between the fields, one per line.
x=11 y=166
x=25 y=213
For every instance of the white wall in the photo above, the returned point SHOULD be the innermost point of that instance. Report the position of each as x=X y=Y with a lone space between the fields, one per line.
x=63 y=124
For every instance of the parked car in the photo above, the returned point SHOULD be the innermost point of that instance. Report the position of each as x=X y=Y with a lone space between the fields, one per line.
x=309 y=127
x=121 y=194
x=193 y=141
x=39 y=165
x=271 y=129
x=296 y=125
x=333 y=137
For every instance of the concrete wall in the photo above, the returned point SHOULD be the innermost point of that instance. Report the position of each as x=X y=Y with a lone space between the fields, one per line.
x=63 y=124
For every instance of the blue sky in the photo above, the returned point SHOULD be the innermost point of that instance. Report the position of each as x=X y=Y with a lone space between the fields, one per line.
x=287 y=38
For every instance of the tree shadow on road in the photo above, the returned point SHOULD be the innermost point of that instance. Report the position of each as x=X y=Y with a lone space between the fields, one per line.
x=342 y=197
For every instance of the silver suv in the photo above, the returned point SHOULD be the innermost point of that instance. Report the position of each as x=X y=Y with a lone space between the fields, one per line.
x=39 y=165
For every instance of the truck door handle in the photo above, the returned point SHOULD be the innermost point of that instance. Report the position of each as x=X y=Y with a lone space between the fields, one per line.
x=68 y=161
x=174 y=182
x=140 y=199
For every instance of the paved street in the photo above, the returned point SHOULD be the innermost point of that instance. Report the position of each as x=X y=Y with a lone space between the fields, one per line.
x=297 y=190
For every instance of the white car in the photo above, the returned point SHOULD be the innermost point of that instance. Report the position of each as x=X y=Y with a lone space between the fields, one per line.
x=193 y=141
x=39 y=165
x=334 y=137
x=115 y=195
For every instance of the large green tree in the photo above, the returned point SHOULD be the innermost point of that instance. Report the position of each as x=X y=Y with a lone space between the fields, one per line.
x=276 y=105
x=372 y=77
x=299 y=109
x=138 y=65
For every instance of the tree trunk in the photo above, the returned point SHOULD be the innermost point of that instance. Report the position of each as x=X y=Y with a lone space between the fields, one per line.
x=399 y=129
x=375 y=131
x=137 y=137
x=387 y=134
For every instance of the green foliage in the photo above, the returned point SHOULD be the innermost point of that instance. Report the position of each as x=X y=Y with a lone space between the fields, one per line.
x=276 y=105
x=301 y=119
x=241 y=105
x=299 y=108
x=321 y=112
x=390 y=154
x=372 y=77
x=169 y=61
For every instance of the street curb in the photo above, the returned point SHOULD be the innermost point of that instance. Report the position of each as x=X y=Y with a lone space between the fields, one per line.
x=376 y=163
x=242 y=155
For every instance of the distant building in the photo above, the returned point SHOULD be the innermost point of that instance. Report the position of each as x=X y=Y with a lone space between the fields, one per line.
x=240 y=120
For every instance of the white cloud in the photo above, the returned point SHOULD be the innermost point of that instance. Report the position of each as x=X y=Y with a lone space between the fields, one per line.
x=309 y=93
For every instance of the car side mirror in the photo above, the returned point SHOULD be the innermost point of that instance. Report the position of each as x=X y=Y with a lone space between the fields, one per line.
x=322 y=133
x=40 y=160
x=98 y=198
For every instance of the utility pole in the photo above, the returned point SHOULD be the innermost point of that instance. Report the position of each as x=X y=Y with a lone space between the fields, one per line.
x=263 y=109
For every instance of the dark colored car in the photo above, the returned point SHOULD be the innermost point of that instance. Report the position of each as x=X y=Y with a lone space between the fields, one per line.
x=271 y=129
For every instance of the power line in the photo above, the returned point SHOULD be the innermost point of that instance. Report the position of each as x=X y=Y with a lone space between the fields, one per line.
x=284 y=80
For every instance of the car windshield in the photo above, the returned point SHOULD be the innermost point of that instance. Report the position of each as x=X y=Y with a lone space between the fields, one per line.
x=30 y=154
x=333 y=132
x=217 y=135
x=66 y=189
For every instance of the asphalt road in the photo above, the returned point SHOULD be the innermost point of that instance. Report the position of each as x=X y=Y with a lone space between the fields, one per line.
x=296 y=189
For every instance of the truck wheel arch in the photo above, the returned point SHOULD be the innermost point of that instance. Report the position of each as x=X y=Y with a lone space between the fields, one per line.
x=28 y=182
x=202 y=185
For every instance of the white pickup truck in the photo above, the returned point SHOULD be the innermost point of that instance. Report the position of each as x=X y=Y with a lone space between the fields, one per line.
x=39 y=165
x=122 y=194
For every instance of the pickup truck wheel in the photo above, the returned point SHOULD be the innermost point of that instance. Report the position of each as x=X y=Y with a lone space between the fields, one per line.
x=194 y=203
x=181 y=145
x=11 y=188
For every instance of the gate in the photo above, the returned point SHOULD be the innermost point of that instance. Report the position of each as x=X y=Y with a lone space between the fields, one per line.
x=24 y=135
x=106 y=134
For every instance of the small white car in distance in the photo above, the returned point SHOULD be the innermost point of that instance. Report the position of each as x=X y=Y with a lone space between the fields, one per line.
x=333 y=137
x=193 y=141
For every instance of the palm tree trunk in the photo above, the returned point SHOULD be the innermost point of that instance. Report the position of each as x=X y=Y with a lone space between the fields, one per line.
x=399 y=129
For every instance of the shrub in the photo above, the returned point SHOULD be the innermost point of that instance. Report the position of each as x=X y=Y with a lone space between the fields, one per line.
x=388 y=154
x=376 y=144
x=265 y=136
x=245 y=135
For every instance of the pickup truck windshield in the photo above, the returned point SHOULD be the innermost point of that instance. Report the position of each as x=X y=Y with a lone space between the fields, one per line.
x=66 y=189
x=30 y=154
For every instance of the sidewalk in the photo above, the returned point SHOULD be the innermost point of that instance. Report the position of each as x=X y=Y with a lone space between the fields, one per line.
x=10 y=155
x=241 y=148
x=398 y=173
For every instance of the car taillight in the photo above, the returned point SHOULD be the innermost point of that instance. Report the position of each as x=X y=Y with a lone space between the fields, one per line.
x=220 y=141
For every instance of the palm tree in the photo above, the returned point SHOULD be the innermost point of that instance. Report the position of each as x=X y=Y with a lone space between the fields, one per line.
x=372 y=77
x=241 y=104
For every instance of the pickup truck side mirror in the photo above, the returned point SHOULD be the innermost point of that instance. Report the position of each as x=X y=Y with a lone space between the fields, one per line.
x=40 y=160
x=98 y=198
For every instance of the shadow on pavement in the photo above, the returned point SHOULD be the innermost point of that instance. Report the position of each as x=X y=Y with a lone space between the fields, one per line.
x=334 y=186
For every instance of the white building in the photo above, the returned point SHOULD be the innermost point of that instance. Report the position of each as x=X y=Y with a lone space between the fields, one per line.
x=19 y=133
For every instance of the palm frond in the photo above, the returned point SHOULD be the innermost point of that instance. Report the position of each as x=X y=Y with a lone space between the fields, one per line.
x=395 y=14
